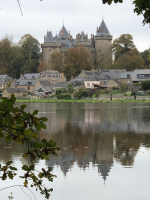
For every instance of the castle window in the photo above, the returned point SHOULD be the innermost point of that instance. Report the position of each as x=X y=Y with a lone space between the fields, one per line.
x=106 y=77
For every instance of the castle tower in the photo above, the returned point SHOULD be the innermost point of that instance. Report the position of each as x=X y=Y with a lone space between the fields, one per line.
x=103 y=41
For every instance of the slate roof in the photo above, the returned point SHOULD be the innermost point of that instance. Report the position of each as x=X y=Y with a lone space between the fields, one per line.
x=45 y=89
x=16 y=90
x=111 y=74
x=89 y=74
x=65 y=33
x=90 y=78
x=50 y=73
x=49 y=37
x=61 y=84
x=45 y=83
x=103 y=30
x=126 y=73
x=24 y=82
x=29 y=76
x=118 y=82
x=77 y=81
x=142 y=72
x=5 y=78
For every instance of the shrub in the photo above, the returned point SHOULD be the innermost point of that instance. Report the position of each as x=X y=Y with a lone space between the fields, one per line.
x=133 y=93
x=65 y=96
x=81 y=93
x=60 y=91
x=146 y=85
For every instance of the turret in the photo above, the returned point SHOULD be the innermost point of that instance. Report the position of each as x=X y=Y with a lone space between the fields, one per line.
x=103 y=44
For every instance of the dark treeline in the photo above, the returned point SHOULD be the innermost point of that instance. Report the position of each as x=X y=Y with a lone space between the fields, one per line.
x=23 y=57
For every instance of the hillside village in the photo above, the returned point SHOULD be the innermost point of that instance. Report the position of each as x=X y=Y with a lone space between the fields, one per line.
x=47 y=83
x=74 y=68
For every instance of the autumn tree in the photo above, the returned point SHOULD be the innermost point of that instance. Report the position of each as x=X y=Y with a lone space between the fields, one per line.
x=42 y=67
x=75 y=60
x=122 y=45
x=130 y=60
x=141 y=7
x=30 y=48
x=56 y=61
x=146 y=57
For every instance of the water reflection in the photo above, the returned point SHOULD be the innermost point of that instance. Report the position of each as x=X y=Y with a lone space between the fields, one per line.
x=97 y=134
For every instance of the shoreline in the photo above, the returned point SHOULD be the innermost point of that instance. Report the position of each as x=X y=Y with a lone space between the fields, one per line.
x=80 y=101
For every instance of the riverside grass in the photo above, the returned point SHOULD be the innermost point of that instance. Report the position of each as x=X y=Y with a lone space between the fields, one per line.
x=78 y=101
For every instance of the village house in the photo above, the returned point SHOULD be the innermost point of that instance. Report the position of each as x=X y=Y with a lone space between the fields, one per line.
x=18 y=92
x=43 y=87
x=4 y=79
x=27 y=81
x=52 y=76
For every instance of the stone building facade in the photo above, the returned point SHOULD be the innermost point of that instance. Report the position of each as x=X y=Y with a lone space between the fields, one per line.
x=99 y=45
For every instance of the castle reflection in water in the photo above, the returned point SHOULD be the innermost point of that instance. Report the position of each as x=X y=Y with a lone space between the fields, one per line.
x=100 y=133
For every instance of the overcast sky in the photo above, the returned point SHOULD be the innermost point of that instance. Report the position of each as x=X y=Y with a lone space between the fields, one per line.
x=78 y=15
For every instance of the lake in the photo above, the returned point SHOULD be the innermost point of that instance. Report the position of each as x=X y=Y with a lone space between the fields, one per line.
x=105 y=152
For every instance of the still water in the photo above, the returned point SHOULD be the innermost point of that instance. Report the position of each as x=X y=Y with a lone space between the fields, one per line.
x=105 y=152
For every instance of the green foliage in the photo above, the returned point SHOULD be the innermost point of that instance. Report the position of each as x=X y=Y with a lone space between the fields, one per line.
x=65 y=96
x=70 y=88
x=75 y=60
x=123 y=88
x=23 y=128
x=122 y=45
x=56 y=61
x=81 y=93
x=125 y=54
x=133 y=93
x=17 y=59
x=60 y=91
x=141 y=7
x=146 y=57
x=145 y=85
x=30 y=48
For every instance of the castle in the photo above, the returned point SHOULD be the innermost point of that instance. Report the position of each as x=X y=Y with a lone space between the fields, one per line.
x=99 y=45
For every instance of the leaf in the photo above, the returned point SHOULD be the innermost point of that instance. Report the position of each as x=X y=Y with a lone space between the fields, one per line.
x=26 y=183
x=13 y=168
x=10 y=175
x=35 y=112
x=9 y=163
x=25 y=167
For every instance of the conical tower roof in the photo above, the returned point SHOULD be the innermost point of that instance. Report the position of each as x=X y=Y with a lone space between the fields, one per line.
x=63 y=34
x=103 y=30
x=49 y=37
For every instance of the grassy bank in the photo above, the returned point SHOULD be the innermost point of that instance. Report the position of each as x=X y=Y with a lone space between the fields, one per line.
x=77 y=101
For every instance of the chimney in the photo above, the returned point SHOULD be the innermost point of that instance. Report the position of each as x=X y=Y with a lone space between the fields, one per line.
x=70 y=38
x=62 y=75
x=20 y=75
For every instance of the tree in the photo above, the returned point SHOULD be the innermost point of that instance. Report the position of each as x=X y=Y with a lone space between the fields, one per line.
x=23 y=128
x=122 y=45
x=42 y=67
x=146 y=57
x=81 y=93
x=141 y=7
x=145 y=85
x=56 y=61
x=75 y=60
x=11 y=58
x=70 y=89
x=130 y=60
x=30 y=48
